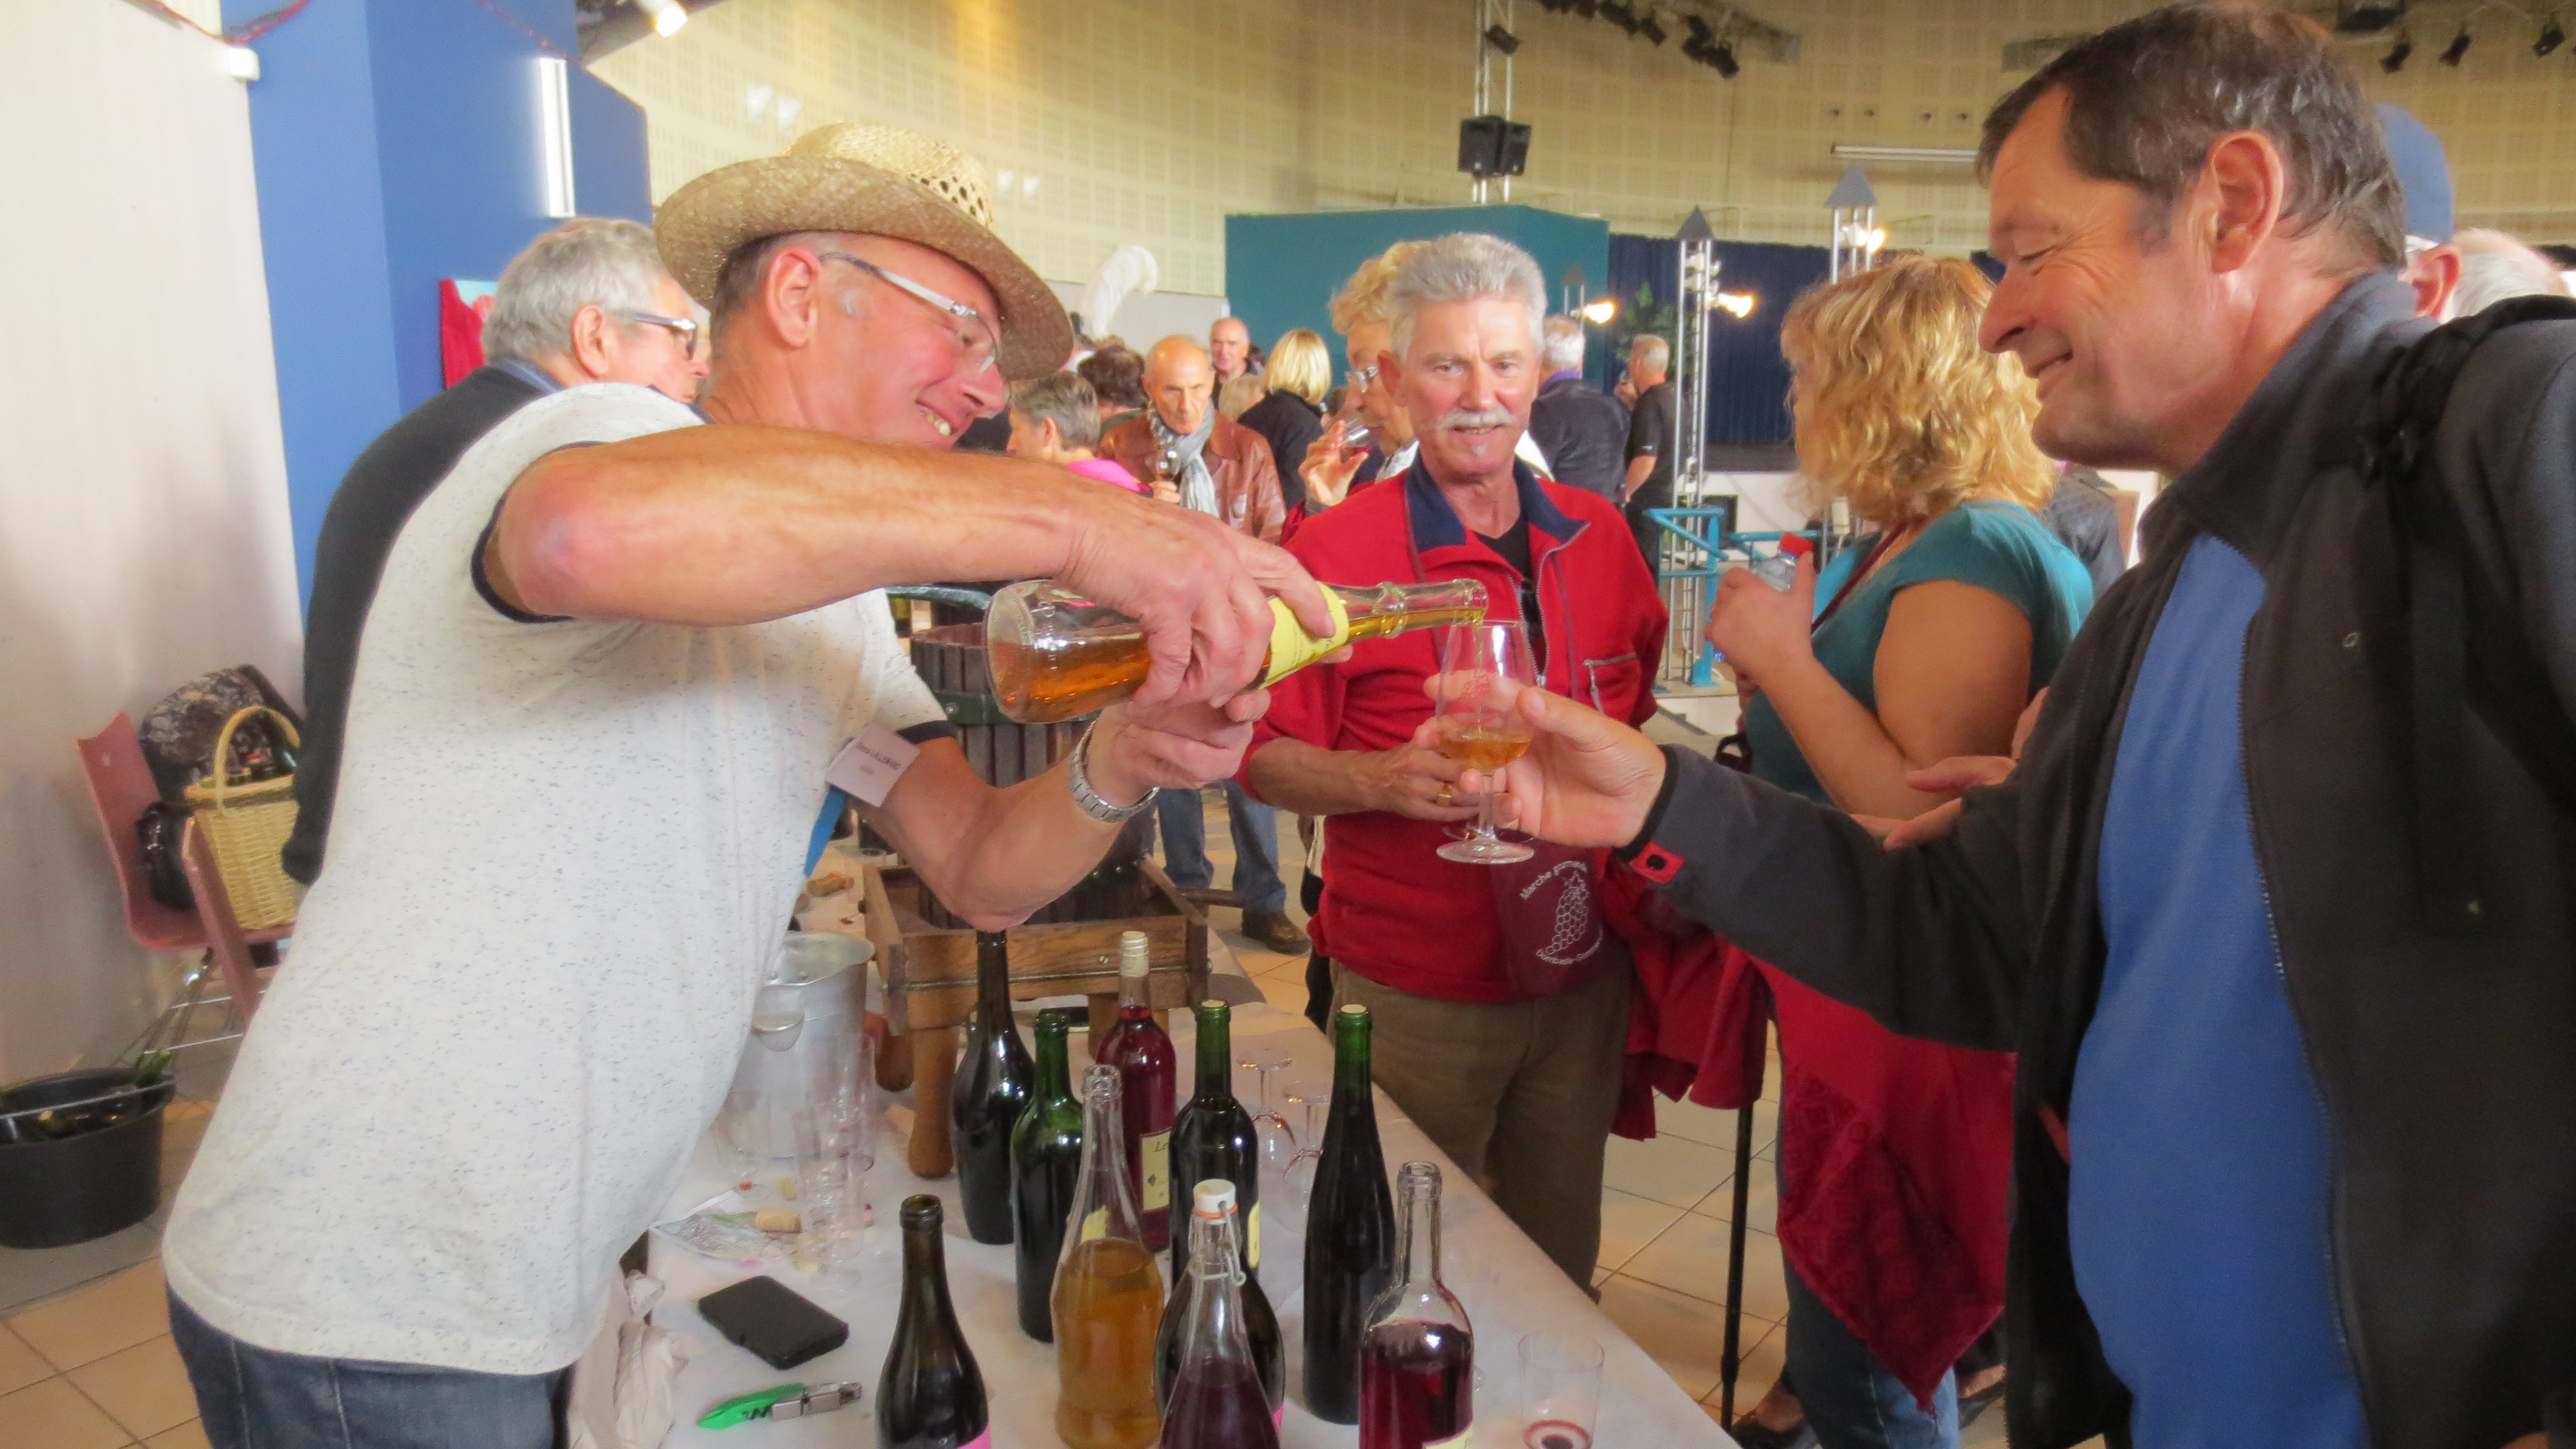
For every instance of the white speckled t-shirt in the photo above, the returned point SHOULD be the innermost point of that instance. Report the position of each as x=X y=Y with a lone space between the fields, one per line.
x=563 y=854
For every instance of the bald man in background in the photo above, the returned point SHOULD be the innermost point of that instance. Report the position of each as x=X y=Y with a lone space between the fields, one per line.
x=1224 y=468
x=1229 y=350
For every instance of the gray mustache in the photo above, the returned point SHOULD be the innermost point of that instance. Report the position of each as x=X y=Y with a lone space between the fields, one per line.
x=1479 y=418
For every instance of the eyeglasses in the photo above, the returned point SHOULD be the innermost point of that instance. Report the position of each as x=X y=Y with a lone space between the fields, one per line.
x=682 y=330
x=975 y=339
x=1363 y=376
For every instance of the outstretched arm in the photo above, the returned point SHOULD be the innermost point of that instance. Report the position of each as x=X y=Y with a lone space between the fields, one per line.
x=1927 y=941
x=729 y=524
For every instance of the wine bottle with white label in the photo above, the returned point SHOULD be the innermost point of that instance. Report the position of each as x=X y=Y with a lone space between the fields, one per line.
x=1142 y=1052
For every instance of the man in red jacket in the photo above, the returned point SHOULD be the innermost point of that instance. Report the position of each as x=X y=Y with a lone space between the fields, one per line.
x=1498 y=1038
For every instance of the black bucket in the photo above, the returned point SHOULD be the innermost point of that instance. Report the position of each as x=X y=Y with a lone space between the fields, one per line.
x=88 y=1185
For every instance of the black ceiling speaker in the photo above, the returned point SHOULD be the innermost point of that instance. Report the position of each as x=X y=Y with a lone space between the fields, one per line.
x=1492 y=146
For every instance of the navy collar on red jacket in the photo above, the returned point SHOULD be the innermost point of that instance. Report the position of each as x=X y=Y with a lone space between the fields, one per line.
x=1436 y=525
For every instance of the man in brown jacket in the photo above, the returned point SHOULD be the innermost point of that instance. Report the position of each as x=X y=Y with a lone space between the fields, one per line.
x=1220 y=466
x=1224 y=468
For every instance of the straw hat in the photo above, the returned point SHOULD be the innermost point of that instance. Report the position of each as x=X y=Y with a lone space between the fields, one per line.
x=881 y=180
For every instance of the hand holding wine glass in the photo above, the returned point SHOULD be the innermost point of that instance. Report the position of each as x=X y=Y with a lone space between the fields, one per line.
x=1483 y=670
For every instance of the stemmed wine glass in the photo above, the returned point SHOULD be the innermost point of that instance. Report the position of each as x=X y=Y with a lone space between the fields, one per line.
x=1269 y=1128
x=1483 y=669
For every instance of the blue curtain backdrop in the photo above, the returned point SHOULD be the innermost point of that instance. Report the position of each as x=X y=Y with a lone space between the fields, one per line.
x=1748 y=392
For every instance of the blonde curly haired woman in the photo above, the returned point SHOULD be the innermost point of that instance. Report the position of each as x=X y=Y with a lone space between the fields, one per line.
x=1937 y=629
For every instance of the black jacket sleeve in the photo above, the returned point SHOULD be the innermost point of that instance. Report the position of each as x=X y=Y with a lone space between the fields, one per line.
x=1929 y=941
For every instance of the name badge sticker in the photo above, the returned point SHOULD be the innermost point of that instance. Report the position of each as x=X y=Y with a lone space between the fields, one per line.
x=868 y=766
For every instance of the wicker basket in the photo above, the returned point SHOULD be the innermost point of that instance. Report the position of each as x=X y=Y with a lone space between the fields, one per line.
x=247 y=823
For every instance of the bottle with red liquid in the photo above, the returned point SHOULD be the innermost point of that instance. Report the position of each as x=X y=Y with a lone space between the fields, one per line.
x=1216 y=1400
x=1418 y=1355
x=1142 y=1053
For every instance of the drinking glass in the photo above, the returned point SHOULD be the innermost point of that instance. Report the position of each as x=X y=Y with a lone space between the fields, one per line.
x=1561 y=1385
x=835 y=1147
x=1483 y=669
x=1278 y=1141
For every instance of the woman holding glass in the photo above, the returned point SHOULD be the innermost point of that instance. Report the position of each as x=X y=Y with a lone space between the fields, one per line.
x=1922 y=642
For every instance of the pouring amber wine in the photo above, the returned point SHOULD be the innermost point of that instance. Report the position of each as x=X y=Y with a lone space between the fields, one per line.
x=1055 y=655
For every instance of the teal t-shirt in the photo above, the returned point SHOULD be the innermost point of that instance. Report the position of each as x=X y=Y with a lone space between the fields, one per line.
x=1998 y=547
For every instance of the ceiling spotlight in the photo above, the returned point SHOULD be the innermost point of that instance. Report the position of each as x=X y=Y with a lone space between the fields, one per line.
x=1587 y=8
x=1621 y=14
x=667 y=15
x=2395 y=60
x=1723 y=57
x=1651 y=30
x=1599 y=313
x=2458 y=47
x=1698 y=29
x=2361 y=17
x=1739 y=303
x=2551 y=37
x=1501 y=39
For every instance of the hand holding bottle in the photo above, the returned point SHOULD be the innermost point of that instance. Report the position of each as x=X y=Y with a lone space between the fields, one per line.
x=1201 y=589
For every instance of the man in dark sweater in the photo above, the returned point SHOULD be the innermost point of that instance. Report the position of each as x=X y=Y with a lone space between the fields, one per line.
x=1582 y=430
x=587 y=302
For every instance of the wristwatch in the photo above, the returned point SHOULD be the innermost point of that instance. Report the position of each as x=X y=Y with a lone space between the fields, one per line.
x=1079 y=775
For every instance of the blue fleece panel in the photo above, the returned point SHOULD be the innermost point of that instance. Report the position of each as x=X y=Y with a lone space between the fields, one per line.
x=2199 y=1142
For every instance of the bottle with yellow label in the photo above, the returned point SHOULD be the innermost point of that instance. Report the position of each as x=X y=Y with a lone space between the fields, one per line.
x=1138 y=1047
x=1108 y=1294
x=1055 y=655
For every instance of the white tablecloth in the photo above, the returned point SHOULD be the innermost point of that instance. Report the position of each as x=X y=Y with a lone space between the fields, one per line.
x=1508 y=1287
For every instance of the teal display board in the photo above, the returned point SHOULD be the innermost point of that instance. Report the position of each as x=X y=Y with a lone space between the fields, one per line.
x=1282 y=271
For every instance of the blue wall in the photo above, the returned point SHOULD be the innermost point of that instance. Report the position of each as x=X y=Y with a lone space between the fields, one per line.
x=1748 y=387
x=1282 y=271
x=396 y=143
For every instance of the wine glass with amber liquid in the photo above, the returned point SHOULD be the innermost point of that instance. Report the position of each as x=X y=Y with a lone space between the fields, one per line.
x=1483 y=668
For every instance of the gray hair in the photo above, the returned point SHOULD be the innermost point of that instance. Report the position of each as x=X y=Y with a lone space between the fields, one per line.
x=1463 y=267
x=599 y=261
x=2495 y=267
x=1650 y=352
x=1064 y=399
x=1563 y=338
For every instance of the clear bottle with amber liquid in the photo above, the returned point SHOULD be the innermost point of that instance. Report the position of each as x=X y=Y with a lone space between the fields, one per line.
x=1055 y=655
x=1108 y=1294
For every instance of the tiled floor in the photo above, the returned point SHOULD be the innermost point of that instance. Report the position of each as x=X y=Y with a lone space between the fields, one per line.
x=94 y=1369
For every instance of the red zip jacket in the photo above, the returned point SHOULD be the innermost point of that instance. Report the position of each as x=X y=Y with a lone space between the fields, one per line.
x=1393 y=911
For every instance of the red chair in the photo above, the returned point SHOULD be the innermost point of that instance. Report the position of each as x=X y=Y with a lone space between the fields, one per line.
x=120 y=787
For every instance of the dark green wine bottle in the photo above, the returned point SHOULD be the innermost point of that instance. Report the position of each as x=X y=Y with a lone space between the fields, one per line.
x=1350 y=1229
x=994 y=1083
x=930 y=1395
x=1046 y=1154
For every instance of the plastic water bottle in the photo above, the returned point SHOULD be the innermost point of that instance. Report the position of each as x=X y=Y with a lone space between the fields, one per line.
x=1780 y=570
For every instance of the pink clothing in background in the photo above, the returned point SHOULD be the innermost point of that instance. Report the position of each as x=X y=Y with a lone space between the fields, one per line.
x=1109 y=470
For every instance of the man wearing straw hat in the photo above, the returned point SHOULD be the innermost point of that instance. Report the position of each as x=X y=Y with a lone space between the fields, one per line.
x=611 y=661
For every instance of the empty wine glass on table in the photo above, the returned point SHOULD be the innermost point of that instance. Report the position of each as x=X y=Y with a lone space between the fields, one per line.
x=1483 y=669
x=1561 y=1382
